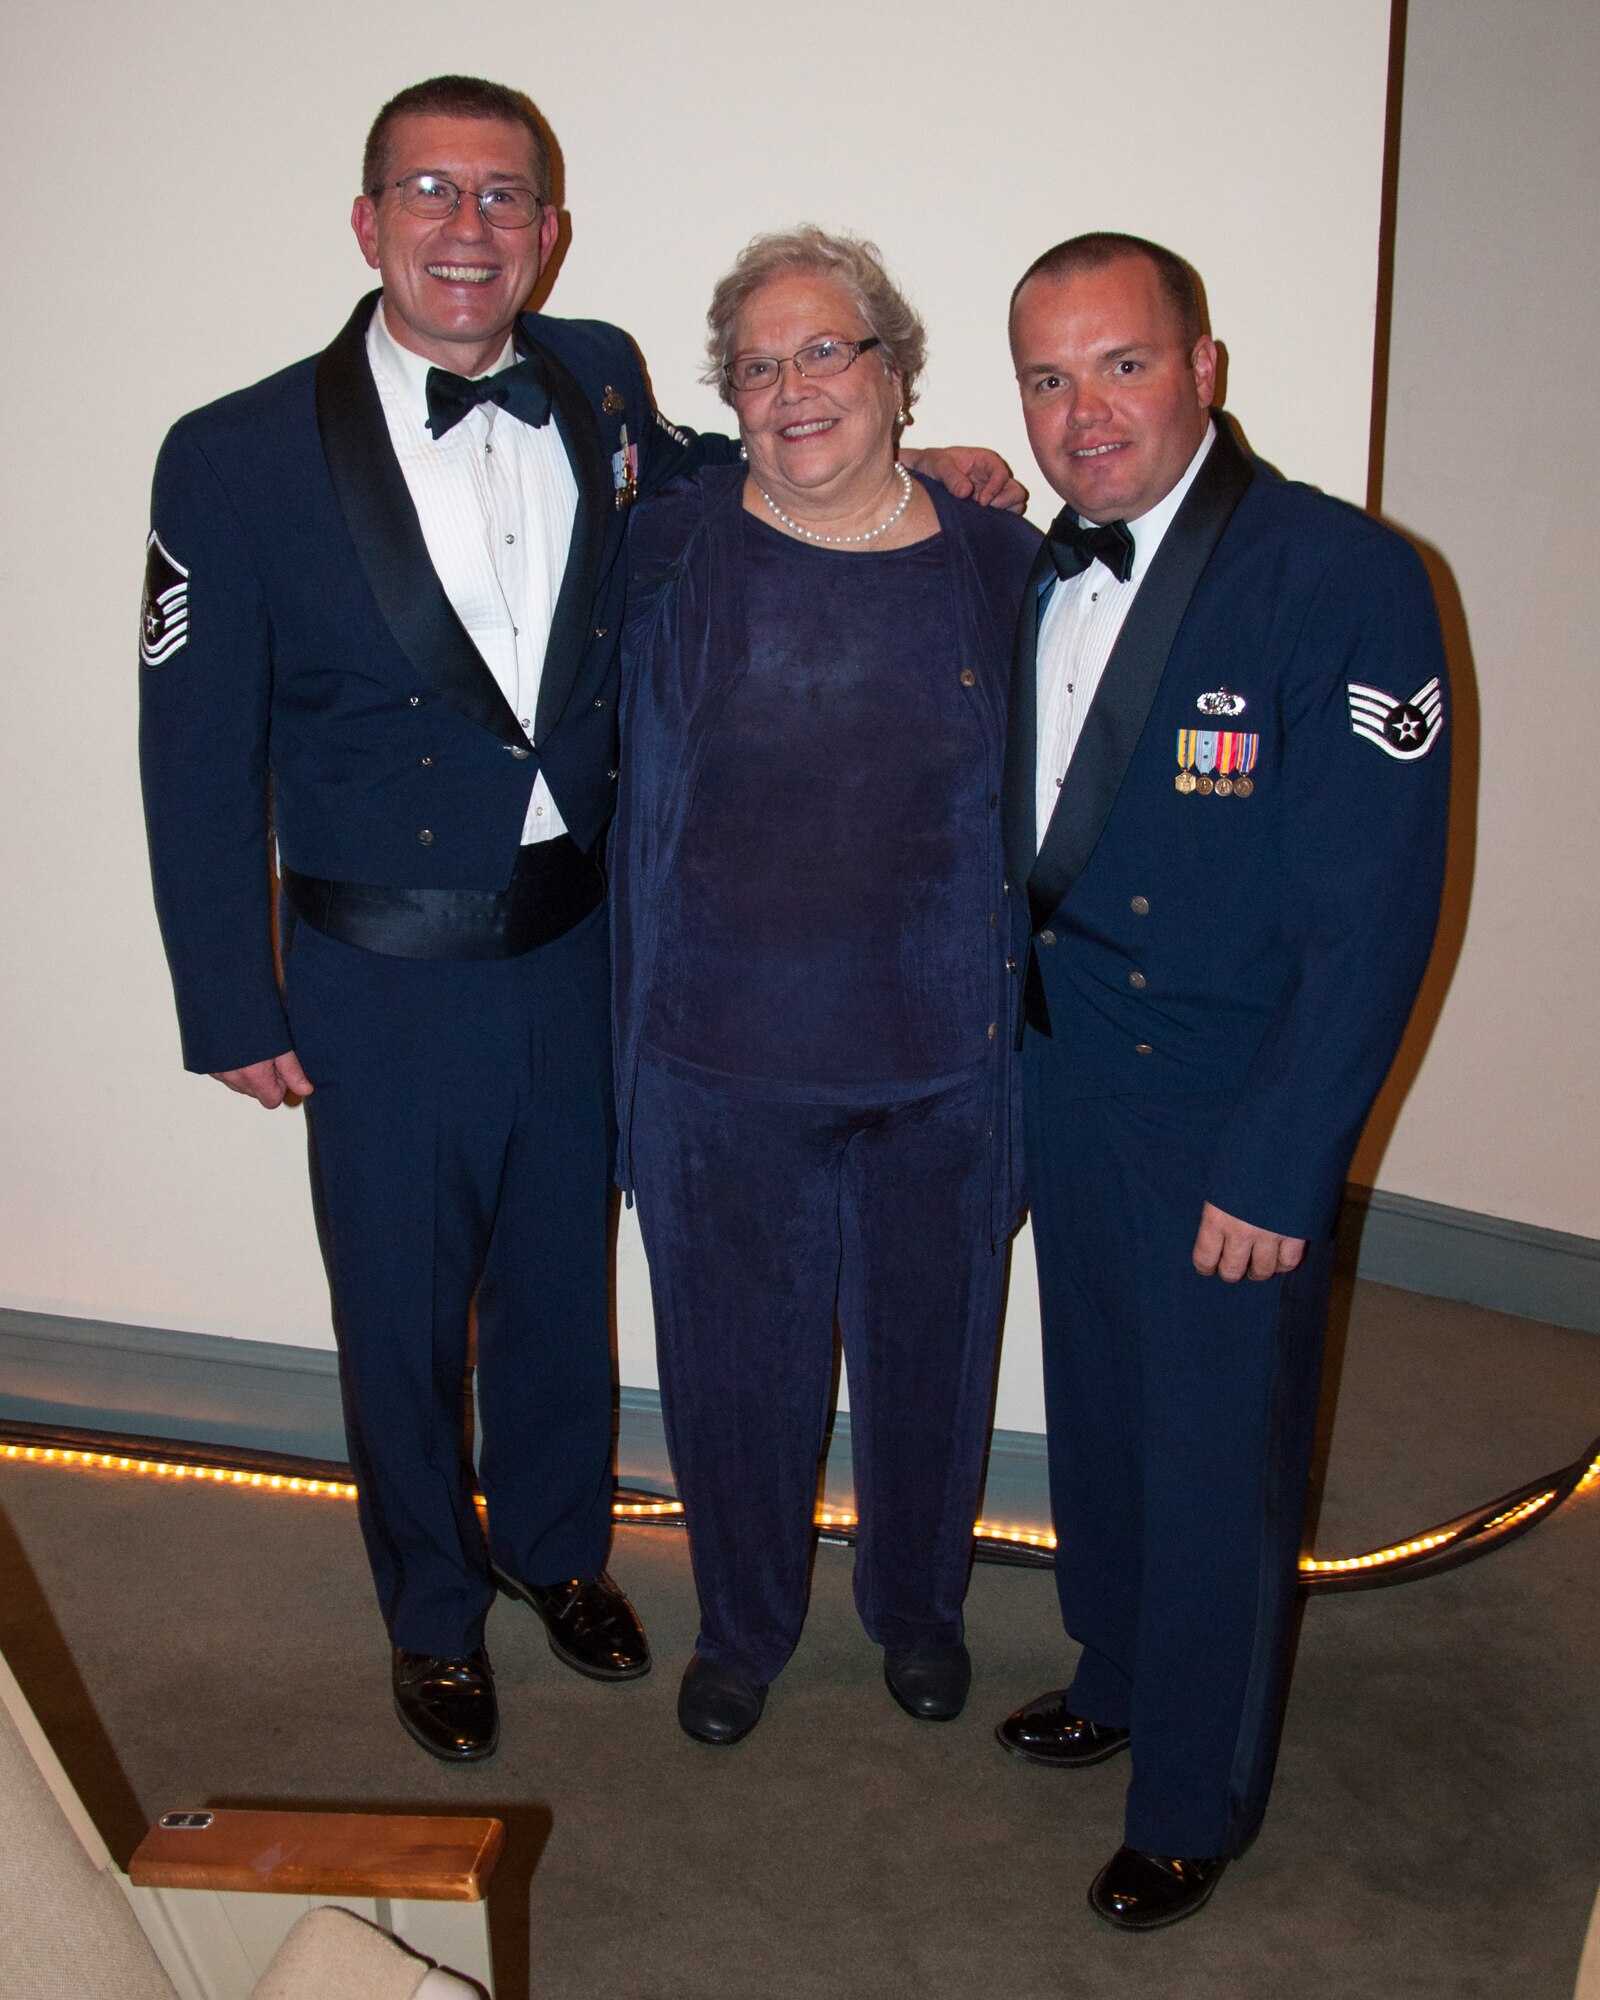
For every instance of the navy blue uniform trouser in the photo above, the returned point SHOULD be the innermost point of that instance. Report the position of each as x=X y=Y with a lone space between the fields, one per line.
x=761 y=1219
x=1181 y=1413
x=461 y=1136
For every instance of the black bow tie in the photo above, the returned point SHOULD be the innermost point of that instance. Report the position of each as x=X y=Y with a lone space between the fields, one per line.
x=1073 y=547
x=521 y=389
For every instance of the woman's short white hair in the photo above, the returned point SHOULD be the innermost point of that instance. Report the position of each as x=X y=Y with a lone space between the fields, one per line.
x=855 y=263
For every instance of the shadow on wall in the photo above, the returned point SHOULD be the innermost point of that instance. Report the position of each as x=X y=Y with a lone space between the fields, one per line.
x=1463 y=712
x=1465 y=723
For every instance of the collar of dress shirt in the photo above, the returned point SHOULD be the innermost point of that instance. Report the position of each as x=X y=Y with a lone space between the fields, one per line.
x=1149 y=528
x=398 y=369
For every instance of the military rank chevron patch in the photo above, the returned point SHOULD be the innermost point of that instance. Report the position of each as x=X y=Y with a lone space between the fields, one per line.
x=1404 y=729
x=164 y=613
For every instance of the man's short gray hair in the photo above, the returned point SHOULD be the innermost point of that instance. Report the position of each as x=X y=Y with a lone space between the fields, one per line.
x=855 y=263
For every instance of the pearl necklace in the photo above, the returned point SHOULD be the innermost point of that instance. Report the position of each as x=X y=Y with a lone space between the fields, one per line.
x=871 y=535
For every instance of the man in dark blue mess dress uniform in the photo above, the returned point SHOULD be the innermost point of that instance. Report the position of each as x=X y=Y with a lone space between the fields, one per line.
x=383 y=590
x=1226 y=793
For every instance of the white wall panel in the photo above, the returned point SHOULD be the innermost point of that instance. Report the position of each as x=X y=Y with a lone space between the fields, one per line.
x=216 y=147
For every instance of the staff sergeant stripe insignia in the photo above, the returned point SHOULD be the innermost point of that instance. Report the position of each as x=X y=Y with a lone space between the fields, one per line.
x=1403 y=729
x=164 y=612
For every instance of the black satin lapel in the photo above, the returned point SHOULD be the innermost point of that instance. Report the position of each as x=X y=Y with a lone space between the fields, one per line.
x=1022 y=729
x=382 y=519
x=592 y=524
x=1133 y=673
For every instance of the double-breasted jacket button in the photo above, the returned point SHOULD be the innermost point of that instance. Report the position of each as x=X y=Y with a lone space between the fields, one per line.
x=1047 y=937
x=991 y=1031
x=1011 y=965
x=1140 y=906
x=427 y=763
x=415 y=700
x=517 y=750
x=600 y=631
x=612 y=775
x=426 y=836
x=1143 y=1049
x=1136 y=979
x=968 y=678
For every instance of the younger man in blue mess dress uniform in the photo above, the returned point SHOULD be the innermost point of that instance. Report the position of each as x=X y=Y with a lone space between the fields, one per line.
x=1225 y=803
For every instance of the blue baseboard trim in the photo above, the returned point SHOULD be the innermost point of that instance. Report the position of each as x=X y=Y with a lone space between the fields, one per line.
x=207 y=1389
x=144 y=1381
x=1479 y=1260
x=152 y=1381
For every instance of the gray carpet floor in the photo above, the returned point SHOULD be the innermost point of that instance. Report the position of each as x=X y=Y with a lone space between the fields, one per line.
x=1435 y=1830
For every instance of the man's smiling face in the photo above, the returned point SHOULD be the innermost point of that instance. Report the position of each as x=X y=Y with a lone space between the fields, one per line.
x=451 y=289
x=1115 y=402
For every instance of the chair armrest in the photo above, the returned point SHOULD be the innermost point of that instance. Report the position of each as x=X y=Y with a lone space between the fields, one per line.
x=407 y=1857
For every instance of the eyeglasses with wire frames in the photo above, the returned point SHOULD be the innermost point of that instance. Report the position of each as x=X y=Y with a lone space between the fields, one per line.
x=812 y=364
x=432 y=198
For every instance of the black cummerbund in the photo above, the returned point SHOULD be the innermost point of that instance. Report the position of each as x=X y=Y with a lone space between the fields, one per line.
x=554 y=886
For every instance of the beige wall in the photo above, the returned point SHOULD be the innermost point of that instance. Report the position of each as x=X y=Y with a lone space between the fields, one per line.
x=216 y=145
x=1492 y=452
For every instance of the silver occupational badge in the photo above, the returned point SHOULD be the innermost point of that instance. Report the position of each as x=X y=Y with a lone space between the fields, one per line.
x=1403 y=729
x=164 y=612
x=1221 y=703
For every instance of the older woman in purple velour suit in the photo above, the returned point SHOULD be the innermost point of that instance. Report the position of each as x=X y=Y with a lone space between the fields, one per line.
x=814 y=1006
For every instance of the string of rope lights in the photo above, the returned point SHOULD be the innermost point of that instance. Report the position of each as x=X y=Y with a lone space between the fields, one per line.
x=1475 y=1533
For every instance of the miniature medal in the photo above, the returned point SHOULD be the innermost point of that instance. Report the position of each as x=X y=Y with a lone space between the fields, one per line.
x=625 y=472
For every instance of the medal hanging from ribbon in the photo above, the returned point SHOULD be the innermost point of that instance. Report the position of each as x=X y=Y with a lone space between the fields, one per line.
x=1217 y=762
x=625 y=471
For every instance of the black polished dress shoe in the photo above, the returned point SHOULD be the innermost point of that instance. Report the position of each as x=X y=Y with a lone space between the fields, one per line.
x=1146 y=1892
x=929 y=1682
x=592 y=1626
x=717 y=1705
x=448 y=1706
x=1046 y=1731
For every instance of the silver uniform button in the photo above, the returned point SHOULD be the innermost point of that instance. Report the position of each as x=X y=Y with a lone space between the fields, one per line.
x=426 y=837
x=1136 y=979
x=1047 y=937
x=1140 y=906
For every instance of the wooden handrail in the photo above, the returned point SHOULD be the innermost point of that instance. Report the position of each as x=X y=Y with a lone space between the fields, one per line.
x=406 y=1856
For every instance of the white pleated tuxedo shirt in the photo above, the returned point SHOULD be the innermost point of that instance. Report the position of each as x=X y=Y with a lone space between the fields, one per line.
x=1076 y=634
x=497 y=500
